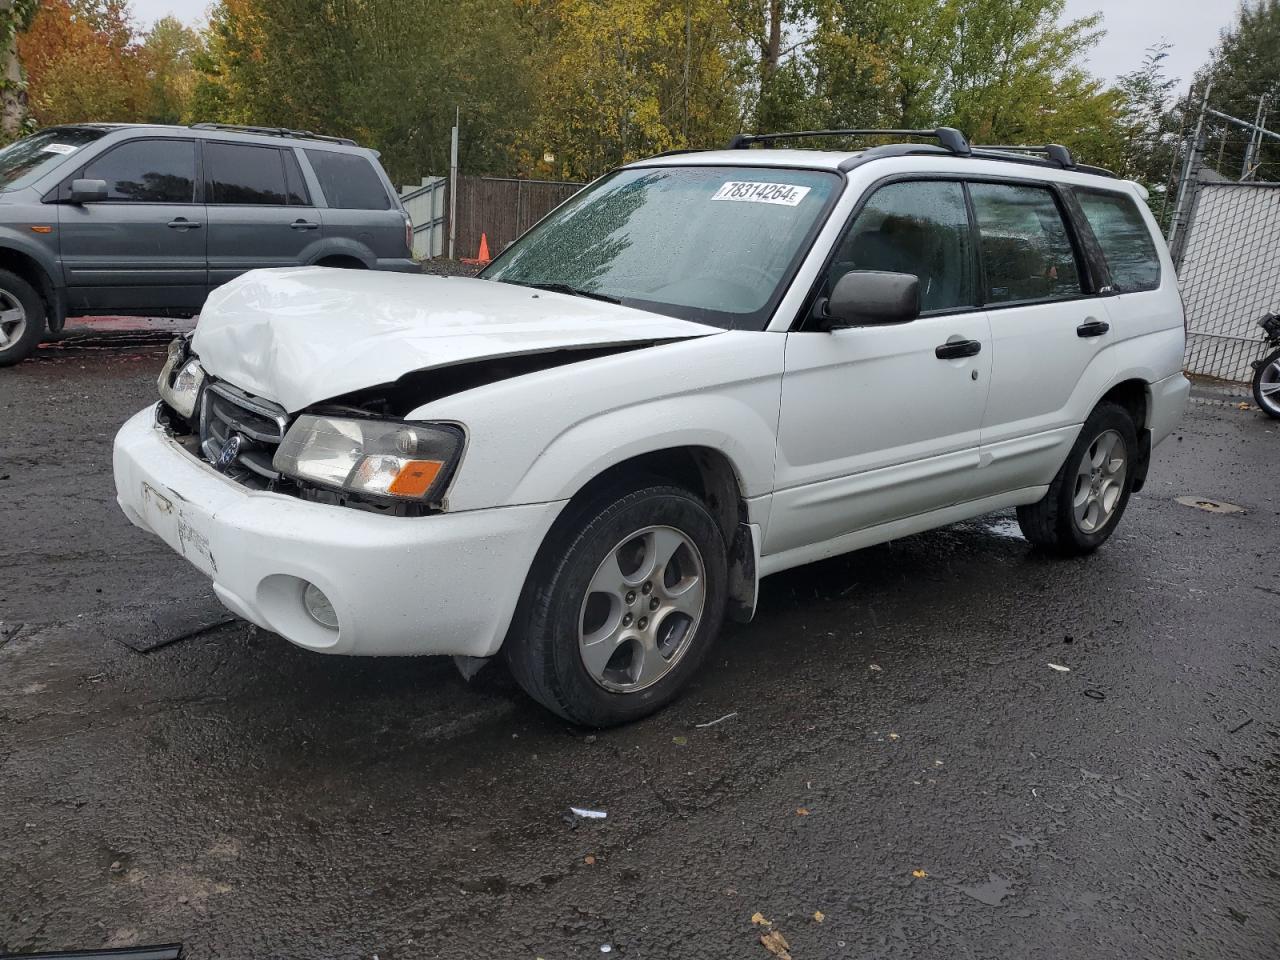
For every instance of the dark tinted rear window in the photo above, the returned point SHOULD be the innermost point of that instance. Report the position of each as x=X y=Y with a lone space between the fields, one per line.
x=238 y=173
x=348 y=180
x=1122 y=234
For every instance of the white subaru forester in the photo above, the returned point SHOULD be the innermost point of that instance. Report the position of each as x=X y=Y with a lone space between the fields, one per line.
x=702 y=369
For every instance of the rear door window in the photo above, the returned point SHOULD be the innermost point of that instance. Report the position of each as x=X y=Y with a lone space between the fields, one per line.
x=238 y=173
x=1027 y=254
x=1126 y=243
x=147 y=171
x=348 y=181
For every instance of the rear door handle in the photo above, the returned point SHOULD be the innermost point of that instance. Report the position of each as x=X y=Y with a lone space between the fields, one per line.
x=182 y=223
x=305 y=225
x=955 y=349
x=1092 y=328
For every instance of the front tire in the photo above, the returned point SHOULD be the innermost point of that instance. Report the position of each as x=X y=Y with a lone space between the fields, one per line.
x=1266 y=385
x=1089 y=494
x=22 y=318
x=622 y=606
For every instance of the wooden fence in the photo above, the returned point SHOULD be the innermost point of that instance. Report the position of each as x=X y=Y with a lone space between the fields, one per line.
x=502 y=209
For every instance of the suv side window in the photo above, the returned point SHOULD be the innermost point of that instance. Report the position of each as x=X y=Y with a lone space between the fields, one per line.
x=238 y=173
x=1122 y=233
x=919 y=227
x=147 y=171
x=1027 y=254
x=348 y=180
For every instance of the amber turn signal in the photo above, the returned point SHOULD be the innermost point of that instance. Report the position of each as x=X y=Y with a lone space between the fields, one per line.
x=415 y=478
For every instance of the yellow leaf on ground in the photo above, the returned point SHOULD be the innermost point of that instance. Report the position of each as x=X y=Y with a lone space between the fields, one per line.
x=819 y=915
x=919 y=874
x=758 y=918
x=802 y=811
x=776 y=944
x=588 y=859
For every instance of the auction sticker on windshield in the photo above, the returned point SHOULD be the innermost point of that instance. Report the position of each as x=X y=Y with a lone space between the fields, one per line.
x=58 y=148
x=785 y=194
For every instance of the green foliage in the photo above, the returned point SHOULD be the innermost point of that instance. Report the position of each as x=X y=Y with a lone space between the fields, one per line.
x=1244 y=67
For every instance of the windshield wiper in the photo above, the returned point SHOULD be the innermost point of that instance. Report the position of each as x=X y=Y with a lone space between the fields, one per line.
x=564 y=288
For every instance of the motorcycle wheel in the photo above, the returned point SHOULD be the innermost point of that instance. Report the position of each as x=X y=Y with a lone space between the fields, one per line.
x=1266 y=384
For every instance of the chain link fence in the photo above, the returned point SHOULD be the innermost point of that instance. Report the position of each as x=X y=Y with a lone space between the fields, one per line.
x=1229 y=272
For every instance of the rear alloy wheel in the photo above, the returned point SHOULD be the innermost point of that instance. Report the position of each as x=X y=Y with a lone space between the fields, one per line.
x=1089 y=494
x=21 y=318
x=1266 y=385
x=621 y=606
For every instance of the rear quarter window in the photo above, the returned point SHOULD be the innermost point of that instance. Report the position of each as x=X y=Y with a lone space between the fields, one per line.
x=1123 y=236
x=348 y=181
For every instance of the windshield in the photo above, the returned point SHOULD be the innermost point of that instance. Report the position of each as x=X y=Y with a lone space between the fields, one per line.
x=26 y=159
x=710 y=244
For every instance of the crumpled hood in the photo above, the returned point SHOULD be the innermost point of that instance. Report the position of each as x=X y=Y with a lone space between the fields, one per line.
x=299 y=335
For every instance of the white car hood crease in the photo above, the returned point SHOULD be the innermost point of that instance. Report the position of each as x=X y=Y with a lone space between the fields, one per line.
x=300 y=335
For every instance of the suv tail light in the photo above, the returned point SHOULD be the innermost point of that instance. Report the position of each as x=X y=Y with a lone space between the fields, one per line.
x=408 y=234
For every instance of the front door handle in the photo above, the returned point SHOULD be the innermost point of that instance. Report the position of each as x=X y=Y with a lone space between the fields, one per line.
x=1092 y=328
x=182 y=223
x=304 y=225
x=955 y=349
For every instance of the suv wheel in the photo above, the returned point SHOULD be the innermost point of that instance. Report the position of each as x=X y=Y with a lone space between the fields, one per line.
x=21 y=318
x=1088 y=496
x=622 y=608
x=1266 y=385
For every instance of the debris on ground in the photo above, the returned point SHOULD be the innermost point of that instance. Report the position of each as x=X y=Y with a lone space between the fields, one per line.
x=176 y=622
x=586 y=814
x=776 y=944
x=1059 y=667
x=1095 y=694
x=875 y=668
x=680 y=741
x=712 y=723
x=819 y=916
x=802 y=811
x=919 y=874
x=758 y=919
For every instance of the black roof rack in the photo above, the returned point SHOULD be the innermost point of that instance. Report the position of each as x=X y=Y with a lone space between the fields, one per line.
x=1055 y=153
x=274 y=132
x=953 y=143
x=952 y=139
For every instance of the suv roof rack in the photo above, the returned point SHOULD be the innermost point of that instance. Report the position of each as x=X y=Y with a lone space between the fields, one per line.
x=274 y=132
x=952 y=141
x=950 y=138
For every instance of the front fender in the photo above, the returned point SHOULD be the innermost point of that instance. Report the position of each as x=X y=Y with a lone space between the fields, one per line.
x=543 y=436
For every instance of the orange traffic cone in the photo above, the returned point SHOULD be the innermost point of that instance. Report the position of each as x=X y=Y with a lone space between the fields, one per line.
x=484 y=257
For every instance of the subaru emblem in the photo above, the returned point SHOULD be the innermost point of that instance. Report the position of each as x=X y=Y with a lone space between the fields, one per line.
x=227 y=455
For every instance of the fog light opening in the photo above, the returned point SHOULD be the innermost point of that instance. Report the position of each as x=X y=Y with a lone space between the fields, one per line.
x=319 y=607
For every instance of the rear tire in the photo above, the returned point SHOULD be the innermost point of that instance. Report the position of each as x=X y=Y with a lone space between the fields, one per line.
x=22 y=318
x=1266 y=385
x=621 y=607
x=1089 y=494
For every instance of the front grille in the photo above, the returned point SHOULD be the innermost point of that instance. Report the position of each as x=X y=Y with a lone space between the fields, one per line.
x=226 y=411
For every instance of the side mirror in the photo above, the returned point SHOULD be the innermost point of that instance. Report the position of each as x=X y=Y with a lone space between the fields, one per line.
x=865 y=297
x=88 y=191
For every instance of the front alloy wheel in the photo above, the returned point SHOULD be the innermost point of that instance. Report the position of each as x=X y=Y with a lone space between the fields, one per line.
x=642 y=609
x=621 y=606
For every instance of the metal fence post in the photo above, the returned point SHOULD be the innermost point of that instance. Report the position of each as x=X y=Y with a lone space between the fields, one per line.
x=453 y=182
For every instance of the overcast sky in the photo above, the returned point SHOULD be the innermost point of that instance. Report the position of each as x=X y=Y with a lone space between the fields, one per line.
x=1192 y=26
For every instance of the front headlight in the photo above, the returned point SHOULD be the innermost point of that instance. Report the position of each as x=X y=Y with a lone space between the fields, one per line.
x=377 y=458
x=181 y=379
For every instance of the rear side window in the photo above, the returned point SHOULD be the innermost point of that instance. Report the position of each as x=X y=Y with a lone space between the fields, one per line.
x=921 y=228
x=147 y=171
x=294 y=183
x=348 y=181
x=241 y=174
x=1026 y=251
x=1124 y=238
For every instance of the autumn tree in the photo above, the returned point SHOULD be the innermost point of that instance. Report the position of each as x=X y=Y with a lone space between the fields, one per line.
x=81 y=62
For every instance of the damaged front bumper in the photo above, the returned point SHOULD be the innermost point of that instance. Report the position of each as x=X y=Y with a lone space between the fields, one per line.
x=442 y=584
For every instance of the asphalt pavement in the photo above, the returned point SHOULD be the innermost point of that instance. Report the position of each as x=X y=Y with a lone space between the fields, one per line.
x=886 y=764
